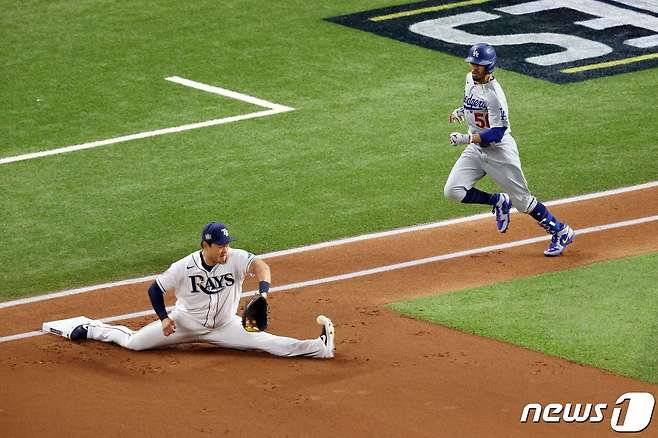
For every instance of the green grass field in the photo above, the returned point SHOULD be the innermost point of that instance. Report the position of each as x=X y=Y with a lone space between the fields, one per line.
x=365 y=149
x=602 y=315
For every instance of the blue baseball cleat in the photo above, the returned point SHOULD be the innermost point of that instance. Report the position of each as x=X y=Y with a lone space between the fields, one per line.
x=501 y=210
x=560 y=241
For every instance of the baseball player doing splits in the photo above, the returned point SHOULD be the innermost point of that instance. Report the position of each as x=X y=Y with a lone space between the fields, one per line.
x=491 y=150
x=208 y=286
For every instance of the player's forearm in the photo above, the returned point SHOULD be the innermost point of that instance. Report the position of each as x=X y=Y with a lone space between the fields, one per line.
x=262 y=271
x=263 y=275
x=157 y=301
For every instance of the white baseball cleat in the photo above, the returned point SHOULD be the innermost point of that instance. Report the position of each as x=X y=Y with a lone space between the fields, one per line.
x=327 y=335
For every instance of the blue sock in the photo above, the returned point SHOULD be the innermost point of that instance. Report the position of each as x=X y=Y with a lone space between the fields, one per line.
x=475 y=196
x=546 y=220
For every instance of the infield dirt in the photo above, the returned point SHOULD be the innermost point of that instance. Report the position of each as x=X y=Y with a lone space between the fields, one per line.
x=392 y=376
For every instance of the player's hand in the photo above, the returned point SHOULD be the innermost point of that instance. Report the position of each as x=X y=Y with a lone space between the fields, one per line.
x=458 y=138
x=457 y=116
x=168 y=326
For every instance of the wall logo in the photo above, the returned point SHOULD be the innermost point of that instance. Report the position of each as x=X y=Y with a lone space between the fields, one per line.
x=557 y=40
x=635 y=417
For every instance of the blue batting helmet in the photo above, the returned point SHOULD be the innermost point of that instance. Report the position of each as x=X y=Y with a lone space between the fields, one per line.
x=482 y=54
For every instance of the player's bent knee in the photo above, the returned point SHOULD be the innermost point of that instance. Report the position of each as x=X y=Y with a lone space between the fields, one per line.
x=454 y=193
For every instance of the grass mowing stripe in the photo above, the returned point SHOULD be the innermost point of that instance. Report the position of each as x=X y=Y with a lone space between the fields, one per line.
x=605 y=314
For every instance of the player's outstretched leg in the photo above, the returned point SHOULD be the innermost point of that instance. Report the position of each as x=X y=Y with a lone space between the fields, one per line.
x=148 y=337
x=233 y=335
x=562 y=233
x=101 y=332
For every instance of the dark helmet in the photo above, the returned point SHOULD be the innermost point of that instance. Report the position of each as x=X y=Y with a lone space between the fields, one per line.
x=482 y=54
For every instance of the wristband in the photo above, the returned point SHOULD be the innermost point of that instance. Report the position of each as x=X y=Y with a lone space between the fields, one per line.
x=263 y=287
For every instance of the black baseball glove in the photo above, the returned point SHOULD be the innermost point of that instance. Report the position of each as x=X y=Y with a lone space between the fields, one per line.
x=254 y=318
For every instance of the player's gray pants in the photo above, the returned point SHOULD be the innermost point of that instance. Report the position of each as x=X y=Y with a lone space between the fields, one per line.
x=229 y=335
x=501 y=162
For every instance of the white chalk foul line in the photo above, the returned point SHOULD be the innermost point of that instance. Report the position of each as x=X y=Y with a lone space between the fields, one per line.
x=273 y=108
x=228 y=93
x=108 y=319
x=453 y=255
x=460 y=220
x=333 y=243
x=387 y=268
x=80 y=290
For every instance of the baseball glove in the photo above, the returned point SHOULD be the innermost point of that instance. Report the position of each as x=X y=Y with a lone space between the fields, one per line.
x=254 y=318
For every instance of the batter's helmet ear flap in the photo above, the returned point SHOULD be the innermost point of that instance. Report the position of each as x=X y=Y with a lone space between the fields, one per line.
x=482 y=54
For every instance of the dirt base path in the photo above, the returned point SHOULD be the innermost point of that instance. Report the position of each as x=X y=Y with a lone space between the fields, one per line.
x=392 y=376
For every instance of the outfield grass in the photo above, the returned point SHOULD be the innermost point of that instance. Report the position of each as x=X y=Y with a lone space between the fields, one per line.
x=604 y=315
x=365 y=149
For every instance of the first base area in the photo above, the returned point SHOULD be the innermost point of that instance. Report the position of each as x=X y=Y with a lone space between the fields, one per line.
x=64 y=327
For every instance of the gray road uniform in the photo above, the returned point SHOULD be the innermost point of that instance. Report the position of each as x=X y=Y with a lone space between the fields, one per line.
x=485 y=106
x=485 y=111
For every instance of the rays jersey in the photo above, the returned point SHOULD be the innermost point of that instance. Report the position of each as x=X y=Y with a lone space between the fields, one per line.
x=211 y=297
x=485 y=106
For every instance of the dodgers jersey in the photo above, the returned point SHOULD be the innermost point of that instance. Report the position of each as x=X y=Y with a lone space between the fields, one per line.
x=211 y=297
x=485 y=106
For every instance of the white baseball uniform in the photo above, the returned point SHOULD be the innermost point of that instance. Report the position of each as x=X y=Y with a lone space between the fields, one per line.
x=205 y=311
x=485 y=106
